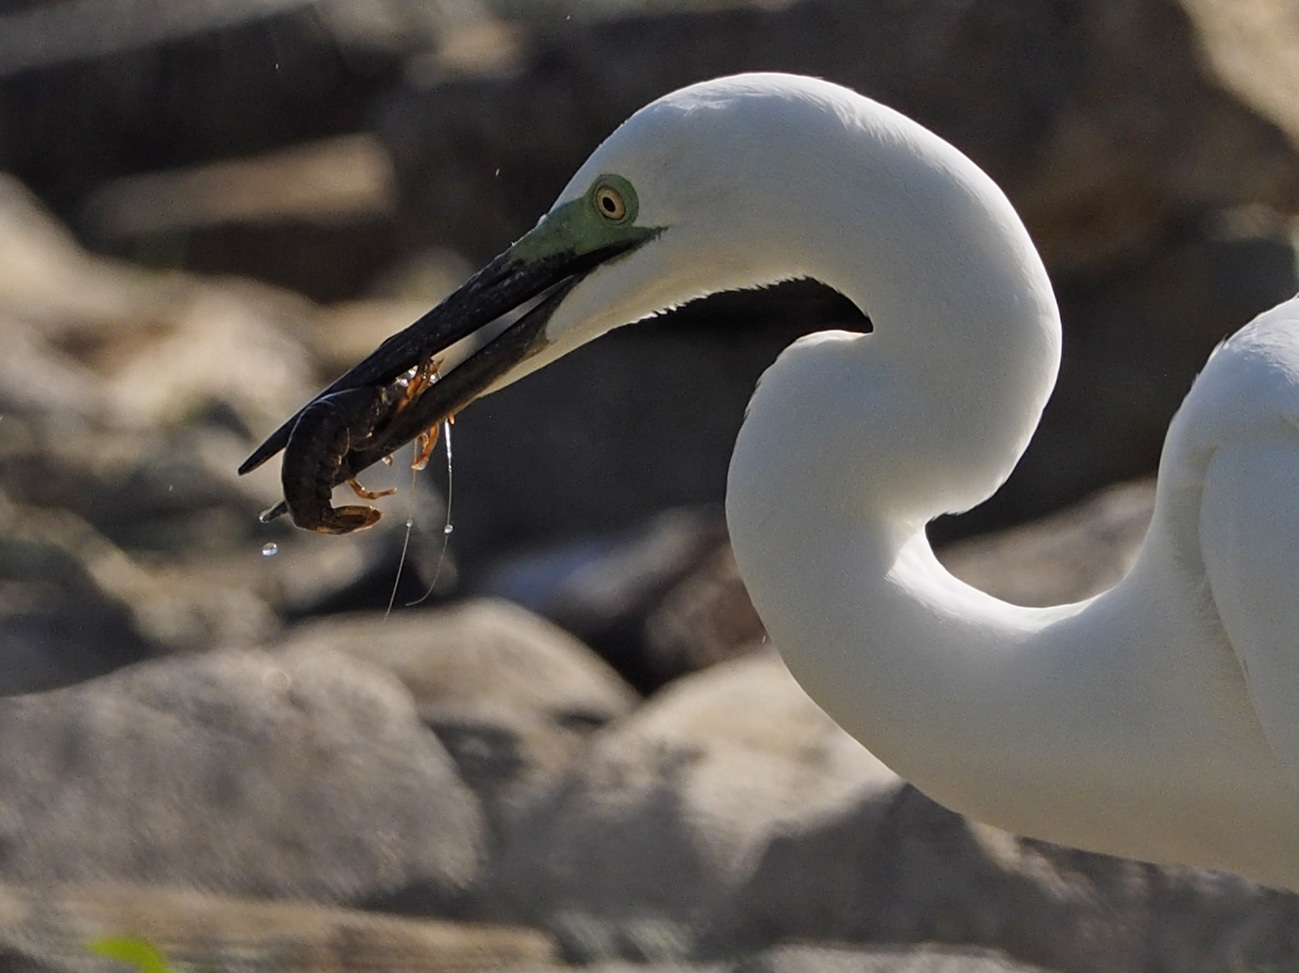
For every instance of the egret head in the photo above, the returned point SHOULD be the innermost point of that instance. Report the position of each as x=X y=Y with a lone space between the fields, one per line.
x=681 y=201
x=734 y=183
x=677 y=203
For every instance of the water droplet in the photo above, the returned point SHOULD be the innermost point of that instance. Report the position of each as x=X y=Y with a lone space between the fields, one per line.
x=447 y=529
x=410 y=521
x=270 y=549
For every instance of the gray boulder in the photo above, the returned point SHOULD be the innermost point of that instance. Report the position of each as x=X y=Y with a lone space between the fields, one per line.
x=57 y=625
x=513 y=698
x=297 y=774
x=910 y=871
x=668 y=811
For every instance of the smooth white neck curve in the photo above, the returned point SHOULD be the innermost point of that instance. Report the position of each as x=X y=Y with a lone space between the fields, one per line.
x=1108 y=709
x=852 y=443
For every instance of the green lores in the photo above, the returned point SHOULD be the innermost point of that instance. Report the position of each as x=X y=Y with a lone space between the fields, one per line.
x=126 y=949
x=604 y=216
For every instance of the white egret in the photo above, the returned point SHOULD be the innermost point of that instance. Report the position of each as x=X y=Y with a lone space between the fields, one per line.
x=1159 y=720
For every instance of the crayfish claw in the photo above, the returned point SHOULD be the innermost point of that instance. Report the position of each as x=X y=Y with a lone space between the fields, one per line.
x=344 y=520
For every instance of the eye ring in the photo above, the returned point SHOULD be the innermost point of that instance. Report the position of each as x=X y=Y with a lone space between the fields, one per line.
x=609 y=203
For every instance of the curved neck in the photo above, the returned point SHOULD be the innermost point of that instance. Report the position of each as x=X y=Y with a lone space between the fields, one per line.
x=925 y=670
x=852 y=443
x=929 y=413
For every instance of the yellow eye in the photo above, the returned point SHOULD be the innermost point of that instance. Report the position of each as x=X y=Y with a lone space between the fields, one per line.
x=610 y=203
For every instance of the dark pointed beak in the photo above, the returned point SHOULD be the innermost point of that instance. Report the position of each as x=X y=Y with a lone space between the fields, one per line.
x=517 y=276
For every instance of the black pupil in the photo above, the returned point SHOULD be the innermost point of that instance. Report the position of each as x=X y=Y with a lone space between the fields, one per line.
x=609 y=204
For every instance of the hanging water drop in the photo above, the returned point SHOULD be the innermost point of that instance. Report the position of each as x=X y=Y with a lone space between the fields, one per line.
x=270 y=549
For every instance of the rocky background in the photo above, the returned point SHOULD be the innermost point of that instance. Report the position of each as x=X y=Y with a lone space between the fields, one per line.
x=578 y=748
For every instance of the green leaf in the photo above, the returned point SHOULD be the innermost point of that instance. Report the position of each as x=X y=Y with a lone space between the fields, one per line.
x=140 y=953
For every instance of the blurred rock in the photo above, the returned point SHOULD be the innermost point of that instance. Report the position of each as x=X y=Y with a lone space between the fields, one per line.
x=1109 y=124
x=705 y=618
x=900 y=868
x=669 y=809
x=1064 y=557
x=77 y=605
x=317 y=218
x=126 y=404
x=138 y=349
x=89 y=91
x=1134 y=340
x=57 y=625
x=228 y=344
x=1253 y=47
x=297 y=774
x=604 y=589
x=322 y=181
x=513 y=698
x=47 y=928
x=900 y=959
x=825 y=959
x=629 y=966
x=51 y=284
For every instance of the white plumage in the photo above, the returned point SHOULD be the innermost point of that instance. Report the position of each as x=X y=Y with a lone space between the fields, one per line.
x=1159 y=720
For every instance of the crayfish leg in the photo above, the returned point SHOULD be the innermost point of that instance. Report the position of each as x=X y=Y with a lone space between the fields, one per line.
x=424 y=376
x=427 y=440
x=365 y=494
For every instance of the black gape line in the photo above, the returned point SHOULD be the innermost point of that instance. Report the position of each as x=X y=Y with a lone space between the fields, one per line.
x=360 y=418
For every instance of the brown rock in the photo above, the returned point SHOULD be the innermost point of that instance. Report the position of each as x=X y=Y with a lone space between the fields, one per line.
x=1061 y=558
x=47 y=928
x=879 y=959
x=317 y=217
x=1253 y=47
x=707 y=617
x=608 y=591
x=1097 y=140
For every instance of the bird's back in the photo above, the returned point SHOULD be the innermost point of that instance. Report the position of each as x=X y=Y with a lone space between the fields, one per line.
x=1223 y=549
